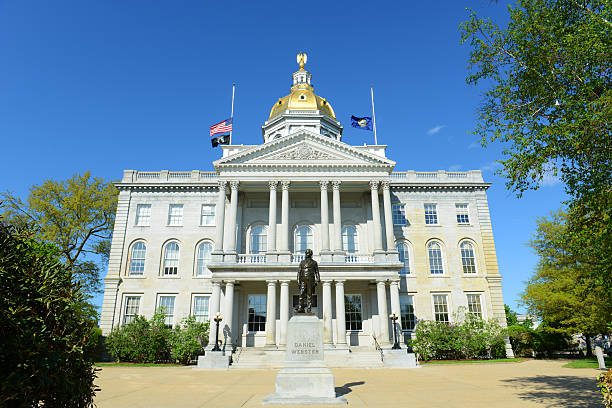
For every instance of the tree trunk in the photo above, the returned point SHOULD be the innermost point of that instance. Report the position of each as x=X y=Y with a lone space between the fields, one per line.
x=589 y=349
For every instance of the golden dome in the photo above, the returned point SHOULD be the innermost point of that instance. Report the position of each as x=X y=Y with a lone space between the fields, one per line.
x=302 y=96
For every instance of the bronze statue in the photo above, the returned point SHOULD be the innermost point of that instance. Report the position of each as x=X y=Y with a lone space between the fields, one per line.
x=307 y=277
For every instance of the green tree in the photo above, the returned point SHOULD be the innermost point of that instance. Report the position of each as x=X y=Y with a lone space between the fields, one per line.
x=562 y=292
x=76 y=216
x=188 y=340
x=47 y=330
x=548 y=101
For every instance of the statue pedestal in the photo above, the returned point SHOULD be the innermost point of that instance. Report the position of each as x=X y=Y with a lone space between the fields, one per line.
x=304 y=379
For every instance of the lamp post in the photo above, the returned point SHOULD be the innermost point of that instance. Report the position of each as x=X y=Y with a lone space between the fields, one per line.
x=217 y=319
x=393 y=316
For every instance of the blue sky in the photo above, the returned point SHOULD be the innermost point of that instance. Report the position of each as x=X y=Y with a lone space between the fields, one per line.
x=112 y=85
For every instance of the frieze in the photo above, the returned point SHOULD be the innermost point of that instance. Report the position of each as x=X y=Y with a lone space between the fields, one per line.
x=303 y=152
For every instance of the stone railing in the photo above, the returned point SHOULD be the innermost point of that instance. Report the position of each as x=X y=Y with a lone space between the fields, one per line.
x=194 y=176
x=355 y=258
x=297 y=258
x=251 y=259
x=440 y=176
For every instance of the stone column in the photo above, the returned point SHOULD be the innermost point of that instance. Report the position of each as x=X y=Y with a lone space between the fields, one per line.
x=340 y=315
x=284 y=227
x=220 y=216
x=233 y=213
x=328 y=337
x=337 y=244
x=271 y=315
x=324 y=217
x=378 y=247
x=272 y=217
x=383 y=315
x=395 y=302
x=389 y=234
x=214 y=306
x=229 y=311
x=284 y=312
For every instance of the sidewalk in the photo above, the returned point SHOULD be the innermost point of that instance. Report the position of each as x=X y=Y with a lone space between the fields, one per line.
x=527 y=384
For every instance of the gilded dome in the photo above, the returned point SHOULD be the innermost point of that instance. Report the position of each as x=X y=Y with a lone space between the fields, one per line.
x=302 y=96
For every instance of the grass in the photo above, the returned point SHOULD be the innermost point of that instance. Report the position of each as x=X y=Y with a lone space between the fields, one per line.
x=590 y=362
x=101 y=365
x=493 y=360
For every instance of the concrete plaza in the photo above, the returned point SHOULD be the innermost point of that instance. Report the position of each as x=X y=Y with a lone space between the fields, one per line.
x=526 y=384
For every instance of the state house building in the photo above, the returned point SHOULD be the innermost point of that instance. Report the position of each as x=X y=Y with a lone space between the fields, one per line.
x=419 y=244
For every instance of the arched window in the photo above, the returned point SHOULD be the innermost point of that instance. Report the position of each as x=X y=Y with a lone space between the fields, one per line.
x=203 y=258
x=404 y=257
x=350 y=240
x=137 y=259
x=467 y=257
x=171 y=258
x=434 y=250
x=302 y=239
x=259 y=239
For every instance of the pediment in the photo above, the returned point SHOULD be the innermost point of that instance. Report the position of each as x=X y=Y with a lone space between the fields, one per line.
x=302 y=148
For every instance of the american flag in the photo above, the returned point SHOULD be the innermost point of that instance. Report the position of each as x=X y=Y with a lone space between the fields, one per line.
x=222 y=127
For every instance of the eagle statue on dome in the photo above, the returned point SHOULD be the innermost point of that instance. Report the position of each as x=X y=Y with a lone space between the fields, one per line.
x=301 y=59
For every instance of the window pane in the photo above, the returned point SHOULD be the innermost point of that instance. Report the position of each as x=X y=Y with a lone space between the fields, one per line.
x=303 y=239
x=404 y=257
x=350 y=241
x=171 y=258
x=407 y=312
x=137 y=260
x=435 y=258
x=257 y=313
x=463 y=216
x=431 y=214
x=166 y=305
x=440 y=308
x=208 y=214
x=352 y=304
x=143 y=214
x=175 y=214
x=467 y=258
x=474 y=305
x=204 y=256
x=259 y=239
x=200 y=308
x=399 y=214
x=132 y=306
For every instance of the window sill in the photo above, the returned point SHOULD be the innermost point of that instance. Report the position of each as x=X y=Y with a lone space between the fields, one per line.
x=442 y=275
x=202 y=276
x=142 y=226
x=173 y=225
x=207 y=225
x=169 y=277
x=471 y=275
x=464 y=225
x=433 y=225
x=134 y=277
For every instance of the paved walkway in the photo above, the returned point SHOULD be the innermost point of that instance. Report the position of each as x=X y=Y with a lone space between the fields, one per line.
x=527 y=384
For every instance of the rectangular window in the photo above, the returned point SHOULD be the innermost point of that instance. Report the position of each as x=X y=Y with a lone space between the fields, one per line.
x=131 y=309
x=166 y=304
x=463 y=216
x=208 y=214
x=257 y=313
x=474 y=305
x=175 y=214
x=353 y=312
x=407 y=312
x=441 y=308
x=200 y=308
x=296 y=301
x=143 y=215
x=399 y=214
x=431 y=214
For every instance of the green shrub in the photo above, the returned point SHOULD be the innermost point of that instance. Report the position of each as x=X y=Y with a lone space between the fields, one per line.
x=470 y=338
x=141 y=341
x=604 y=383
x=188 y=340
x=46 y=328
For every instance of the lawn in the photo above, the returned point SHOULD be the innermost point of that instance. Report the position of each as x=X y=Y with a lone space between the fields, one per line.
x=101 y=365
x=590 y=362
x=494 y=360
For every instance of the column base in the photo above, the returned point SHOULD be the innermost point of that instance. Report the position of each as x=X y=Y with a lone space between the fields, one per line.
x=393 y=256
x=284 y=256
x=230 y=257
x=271 y=257
x=380 y=255
x=216 y=256
x=326 y=256
x=339 y=257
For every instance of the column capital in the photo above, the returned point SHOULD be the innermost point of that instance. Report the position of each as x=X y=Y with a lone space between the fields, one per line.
x=230 y=282
x=381 y=282
x=273 y=184
x=394 y=282
x=271 y=282
x=336 y=184
x=323 y=184
x=374 y=185
x=216 y=283
x=285 y=184
x=385 y=184
x=234 y=184
x=283 y=282
x=326 y=282
x=222 y=184
x=339 y=282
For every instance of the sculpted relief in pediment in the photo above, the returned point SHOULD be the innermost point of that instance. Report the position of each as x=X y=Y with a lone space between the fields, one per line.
x=303 y=152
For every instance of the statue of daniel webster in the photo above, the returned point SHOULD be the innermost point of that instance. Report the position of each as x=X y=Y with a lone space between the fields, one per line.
x=307 y=277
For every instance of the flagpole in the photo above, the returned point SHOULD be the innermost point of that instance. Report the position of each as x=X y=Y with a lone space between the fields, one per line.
x=232 y=113
x=373 y=115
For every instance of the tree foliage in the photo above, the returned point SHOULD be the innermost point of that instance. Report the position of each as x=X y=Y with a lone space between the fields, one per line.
x=75 y=215
x=47 y=330
x=188 y=340
x=562 y=292
x=549 y=101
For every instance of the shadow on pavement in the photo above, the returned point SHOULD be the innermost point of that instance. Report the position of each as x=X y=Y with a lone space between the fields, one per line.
x=346 y=388
x=558 y=391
